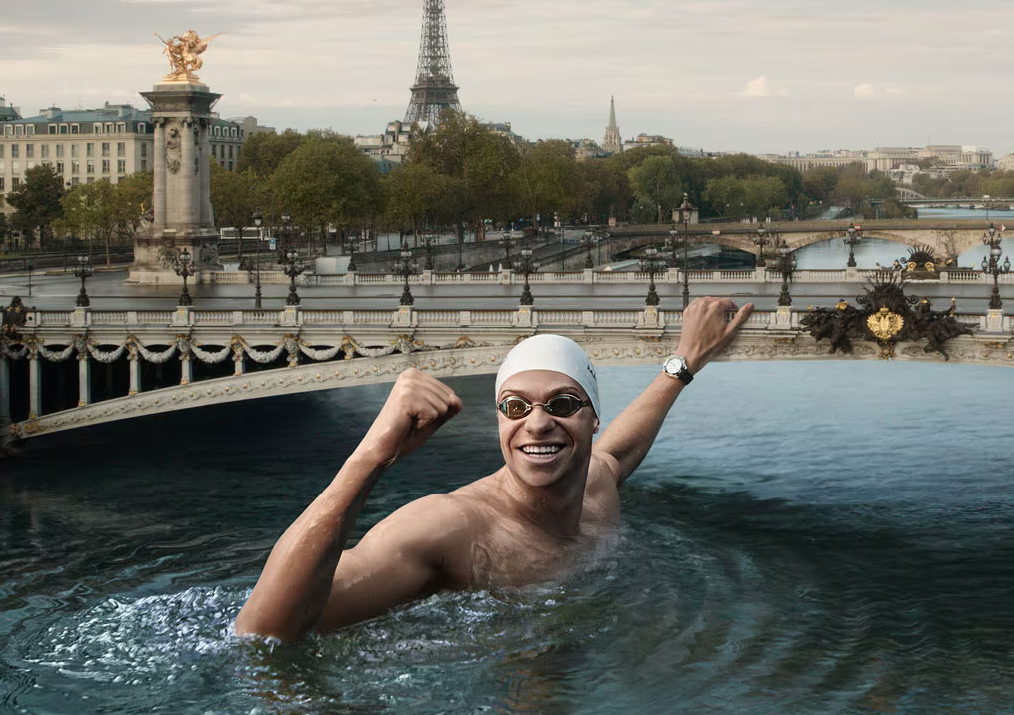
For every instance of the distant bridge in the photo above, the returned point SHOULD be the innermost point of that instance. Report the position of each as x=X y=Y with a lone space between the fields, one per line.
x=244 y=355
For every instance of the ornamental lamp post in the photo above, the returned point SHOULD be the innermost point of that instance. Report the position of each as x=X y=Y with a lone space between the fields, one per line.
x=786 y=264
x=853 y=238
x=292 y=270
x=761 y=240
x=285 y=233
x=588 y=239
x=258 y=219
x=184 y=270
x=428 y=240
x=685 y=210
x=526 y=266
x=507 y=243
x=83 y=270
x=652 y=264
x=991 y=264
x=406 y=267
x=350 y=246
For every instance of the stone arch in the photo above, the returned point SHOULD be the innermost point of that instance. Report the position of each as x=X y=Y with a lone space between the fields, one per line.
x=797 y=241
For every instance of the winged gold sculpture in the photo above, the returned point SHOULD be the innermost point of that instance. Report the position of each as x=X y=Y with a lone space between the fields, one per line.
x=184 y=53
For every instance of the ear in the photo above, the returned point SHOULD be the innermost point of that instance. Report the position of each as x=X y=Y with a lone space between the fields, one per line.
x=596 y=430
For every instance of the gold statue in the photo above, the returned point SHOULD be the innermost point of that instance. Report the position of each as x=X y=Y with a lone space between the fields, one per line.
x=184 y=53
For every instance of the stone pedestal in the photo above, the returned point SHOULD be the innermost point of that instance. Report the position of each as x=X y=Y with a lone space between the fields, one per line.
x=994 y=321
x=182 y=217
x=783 y=318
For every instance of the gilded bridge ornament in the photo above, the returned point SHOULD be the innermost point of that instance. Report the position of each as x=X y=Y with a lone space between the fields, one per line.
x=885 y=325
x=184 y=53
x=886 y=316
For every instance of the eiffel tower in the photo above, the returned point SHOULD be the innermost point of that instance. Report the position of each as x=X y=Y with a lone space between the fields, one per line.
x=434 y=89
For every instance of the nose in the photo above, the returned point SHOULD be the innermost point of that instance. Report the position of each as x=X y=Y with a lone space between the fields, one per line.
x=538 y=420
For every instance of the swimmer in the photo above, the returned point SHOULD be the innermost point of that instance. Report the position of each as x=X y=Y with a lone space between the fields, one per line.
x=555 y=498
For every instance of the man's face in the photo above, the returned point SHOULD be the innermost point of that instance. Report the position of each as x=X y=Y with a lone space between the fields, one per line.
x=539 y=448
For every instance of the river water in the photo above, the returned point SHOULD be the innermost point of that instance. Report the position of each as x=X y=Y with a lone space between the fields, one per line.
x=828 y=537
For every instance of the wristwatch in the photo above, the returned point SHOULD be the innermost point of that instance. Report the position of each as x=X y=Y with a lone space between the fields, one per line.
x=676 y=367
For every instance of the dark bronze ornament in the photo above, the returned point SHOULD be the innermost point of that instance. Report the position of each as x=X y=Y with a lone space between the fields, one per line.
x=885 y=316
x=15 y=316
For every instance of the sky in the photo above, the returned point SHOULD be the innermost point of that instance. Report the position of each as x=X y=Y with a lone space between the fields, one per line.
x=723 y=75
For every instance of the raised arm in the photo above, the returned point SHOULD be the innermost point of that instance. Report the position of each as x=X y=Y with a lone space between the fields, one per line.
x=705 y=333
x=295 y=588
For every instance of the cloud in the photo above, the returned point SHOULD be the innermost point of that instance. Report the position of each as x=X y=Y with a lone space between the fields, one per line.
x=872 y=91
x=762 y=87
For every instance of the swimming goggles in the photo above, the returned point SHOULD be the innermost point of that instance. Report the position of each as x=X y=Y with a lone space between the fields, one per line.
x=514 y=407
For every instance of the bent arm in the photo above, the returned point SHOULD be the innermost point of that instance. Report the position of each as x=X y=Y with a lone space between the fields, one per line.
x=705 y=334
x=295 y=585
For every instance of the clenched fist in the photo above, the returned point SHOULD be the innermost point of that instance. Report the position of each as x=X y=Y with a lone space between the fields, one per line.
x=416 y=408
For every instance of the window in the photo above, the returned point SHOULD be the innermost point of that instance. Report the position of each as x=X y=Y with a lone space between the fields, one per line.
x=141 y=128
x=45 y=150
x=74 y=149
x=96 y=128
x=30 y=129
x=2 y=150
x=63 y=129
x=74 y=181
x=15 y=183
x=109 y=128
x=1 y=184
x=121 y=127
x=144 y=149
x=230 y=151
x=75 y=128
x=59 y=150
x=59 y=167
x=15 y=151
x=29 y=151
x=144 y=164
x=8 y=130
x=52 y=129
x=90 y=149
x=105 y=148
x=121 y=149
x=105 y=166
x=121 y=166
x=91 y=180
x=214 y=151
x=230 y=166
x=90 y=167
x=75 y=167
x=19 y=129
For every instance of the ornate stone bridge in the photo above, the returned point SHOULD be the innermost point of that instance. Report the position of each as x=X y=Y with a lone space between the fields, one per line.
x=170 y=360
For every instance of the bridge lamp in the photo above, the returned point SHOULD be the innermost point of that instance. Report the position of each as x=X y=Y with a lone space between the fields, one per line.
x=83 y=271
x=526 y=266
x=652 y=264
x=588 y=239
x=292 y=270
x=786 y=264
x=406 y=267
x=761 y=240
x=286 y=217
x=183 y=269
x=258 y=219
x=685 y=211
x=853 y=238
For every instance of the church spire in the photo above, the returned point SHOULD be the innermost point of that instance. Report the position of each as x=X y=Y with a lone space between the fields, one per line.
x=613 y=142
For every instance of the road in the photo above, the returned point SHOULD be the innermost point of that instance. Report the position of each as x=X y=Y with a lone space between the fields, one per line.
x=109 y=292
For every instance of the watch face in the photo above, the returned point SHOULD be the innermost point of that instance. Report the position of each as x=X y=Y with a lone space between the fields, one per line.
x=675 y=365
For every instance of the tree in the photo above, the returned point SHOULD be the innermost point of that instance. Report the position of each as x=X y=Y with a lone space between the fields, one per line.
x=326 y=180
x=417 y=196
x=133 y=201
x=95 y=210
x=819 y=182
x=658 y=186
x=264 y=152
x=477 y=164
x=37 y=200
x=547 y=180
x=234 y=198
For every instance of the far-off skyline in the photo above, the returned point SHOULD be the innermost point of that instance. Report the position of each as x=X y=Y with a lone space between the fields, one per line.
x=723 y=76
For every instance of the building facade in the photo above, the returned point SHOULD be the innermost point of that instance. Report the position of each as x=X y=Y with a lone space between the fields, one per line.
x=84 y=146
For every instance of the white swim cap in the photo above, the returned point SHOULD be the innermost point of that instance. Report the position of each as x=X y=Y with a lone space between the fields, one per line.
x=556 y=353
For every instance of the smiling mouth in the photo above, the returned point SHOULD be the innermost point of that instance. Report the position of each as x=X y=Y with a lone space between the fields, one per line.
x=541 y=450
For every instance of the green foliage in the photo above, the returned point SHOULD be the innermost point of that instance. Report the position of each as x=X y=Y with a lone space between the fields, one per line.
x=37 y=199
x=134 y=196
x=418 y=197
x=548 y=181
x=326 y=180
x=96 y=211
x=264 y=152
x=755 y=196
x=820 y=183
x=234 y=196
x=658 y=187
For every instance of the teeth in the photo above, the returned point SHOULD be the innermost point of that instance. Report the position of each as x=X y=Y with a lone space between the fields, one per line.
x=536 y=449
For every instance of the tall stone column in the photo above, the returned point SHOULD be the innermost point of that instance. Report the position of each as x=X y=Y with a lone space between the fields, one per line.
x=34 y=383
x=181 y=113
x=134 y=358
x=158 y=199
x=84 y=379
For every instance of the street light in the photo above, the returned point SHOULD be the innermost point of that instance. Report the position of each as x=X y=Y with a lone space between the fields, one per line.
x=428 y=240
x=507 y=242
x=29 y=267
x=292 y=270
x=761 y=240
x=786 y=264
x=350 y=244
x=853 y=239
x=83 y=271
x=406 y=267
x=588 y=239
x=652 y=264
x=286 y=235
x=526 y=266
x=258 y=219
x=183 y=268
x=991 y=264
x=685 y=210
